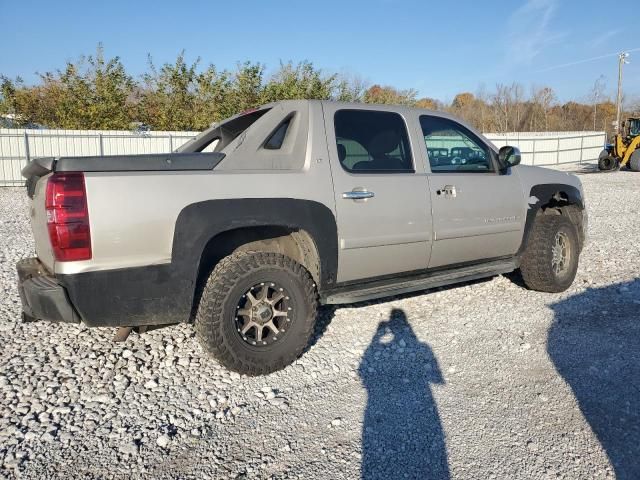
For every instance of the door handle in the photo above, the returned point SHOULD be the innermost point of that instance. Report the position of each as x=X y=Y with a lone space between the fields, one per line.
x=357 y=194
x=448 y=190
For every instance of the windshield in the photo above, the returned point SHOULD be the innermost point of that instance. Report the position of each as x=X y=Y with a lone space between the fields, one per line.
x=634 y=127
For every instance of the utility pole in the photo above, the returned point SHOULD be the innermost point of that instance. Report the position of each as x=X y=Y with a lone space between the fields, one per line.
x=622 y=59
x=598 y=88
x=595 y=109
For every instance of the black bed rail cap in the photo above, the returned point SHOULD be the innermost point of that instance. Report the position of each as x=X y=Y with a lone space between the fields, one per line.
x=154 y=162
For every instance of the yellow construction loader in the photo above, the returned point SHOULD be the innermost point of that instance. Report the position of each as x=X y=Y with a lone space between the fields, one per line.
x=625 y=149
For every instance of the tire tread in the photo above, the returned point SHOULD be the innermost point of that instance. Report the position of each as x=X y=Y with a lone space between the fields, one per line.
x=210 y=314
x=535 y=265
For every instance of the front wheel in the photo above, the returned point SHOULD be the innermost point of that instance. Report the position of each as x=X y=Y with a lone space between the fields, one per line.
x=257 y=312
x=550 y=260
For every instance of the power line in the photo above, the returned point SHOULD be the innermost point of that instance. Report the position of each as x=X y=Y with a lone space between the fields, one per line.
x=578 y=62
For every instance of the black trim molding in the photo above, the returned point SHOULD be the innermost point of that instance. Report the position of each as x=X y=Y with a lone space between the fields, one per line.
x=163 y=294
x=164 y=162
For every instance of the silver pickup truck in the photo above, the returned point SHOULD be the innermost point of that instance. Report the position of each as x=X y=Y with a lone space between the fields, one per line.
x=250 y=225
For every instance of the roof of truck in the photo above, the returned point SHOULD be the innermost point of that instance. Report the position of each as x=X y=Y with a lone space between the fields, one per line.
x=356 y=105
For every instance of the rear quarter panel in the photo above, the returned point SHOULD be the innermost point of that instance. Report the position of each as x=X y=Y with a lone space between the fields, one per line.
x=133 y=214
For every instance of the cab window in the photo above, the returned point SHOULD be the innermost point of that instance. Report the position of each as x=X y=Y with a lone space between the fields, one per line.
x=370 y=141
x=453 y=148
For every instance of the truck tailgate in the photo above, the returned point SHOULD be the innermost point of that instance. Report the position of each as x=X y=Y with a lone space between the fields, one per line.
x=38 y=171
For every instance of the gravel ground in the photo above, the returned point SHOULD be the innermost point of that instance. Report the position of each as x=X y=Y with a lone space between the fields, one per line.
x=486 y=380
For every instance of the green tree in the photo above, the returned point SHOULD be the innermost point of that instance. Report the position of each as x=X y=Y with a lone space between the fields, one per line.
x=98 y=93
x=92 y=93
x=298 y=82
x=211 y=97
x=246 y=88
x=7 y=95
x=349 y=89
x=167 y=98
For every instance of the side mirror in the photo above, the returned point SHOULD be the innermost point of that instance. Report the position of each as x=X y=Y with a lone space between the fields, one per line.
x=509 y=156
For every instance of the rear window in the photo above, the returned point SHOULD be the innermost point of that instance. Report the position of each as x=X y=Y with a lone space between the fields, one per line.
x=218 y=137
x=276 y=139
x=370 y=141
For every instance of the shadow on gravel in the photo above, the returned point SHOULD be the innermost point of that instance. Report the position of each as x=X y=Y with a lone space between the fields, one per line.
x=402 y=436
x=323 y=320
x=327 y=312
x=594 y=343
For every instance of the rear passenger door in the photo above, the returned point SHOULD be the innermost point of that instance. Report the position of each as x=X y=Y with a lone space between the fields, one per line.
x=478 y=212
x=381 y=192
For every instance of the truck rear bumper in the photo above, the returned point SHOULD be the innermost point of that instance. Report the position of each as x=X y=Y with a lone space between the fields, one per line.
x=43 y=298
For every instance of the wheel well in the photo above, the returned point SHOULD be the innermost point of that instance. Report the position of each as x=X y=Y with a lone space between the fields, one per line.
x=293 y=243
x=296 y=244
x=555 y=204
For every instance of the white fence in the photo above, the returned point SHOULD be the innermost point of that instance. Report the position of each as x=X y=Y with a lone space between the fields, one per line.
x=18 y=146
x=553 y=148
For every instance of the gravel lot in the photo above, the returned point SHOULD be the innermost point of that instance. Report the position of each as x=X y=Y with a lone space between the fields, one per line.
x=486 y=380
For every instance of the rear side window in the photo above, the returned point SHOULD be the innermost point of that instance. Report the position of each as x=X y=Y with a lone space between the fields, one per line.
x=276 y=139
x=370 y=141
x=218 y=137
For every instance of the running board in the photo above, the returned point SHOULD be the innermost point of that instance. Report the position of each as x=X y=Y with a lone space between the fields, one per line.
x=398 y=286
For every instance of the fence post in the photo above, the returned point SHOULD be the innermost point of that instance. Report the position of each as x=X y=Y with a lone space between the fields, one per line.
x=533 y=153
x=170 y=143
x=581 y=148
x=26 y=147
x=558 y=151
x=101 y=145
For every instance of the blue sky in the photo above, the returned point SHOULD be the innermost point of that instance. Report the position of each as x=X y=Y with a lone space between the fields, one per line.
x=439 y=48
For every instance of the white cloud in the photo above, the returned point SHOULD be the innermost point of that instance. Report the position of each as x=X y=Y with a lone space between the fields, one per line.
x=601 y=39
x=529 y=31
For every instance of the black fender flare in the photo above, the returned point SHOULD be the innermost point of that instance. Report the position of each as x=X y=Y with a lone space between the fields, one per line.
x=542 y=194
x=164 y=293
x=199 y=222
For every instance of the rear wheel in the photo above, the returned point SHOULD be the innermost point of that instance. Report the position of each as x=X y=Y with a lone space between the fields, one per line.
x=608 y=163
x=634 y=161
x=257 y=312
x=550 y=260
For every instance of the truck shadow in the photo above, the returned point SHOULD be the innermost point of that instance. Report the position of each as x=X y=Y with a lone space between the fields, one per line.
x=402 y=435
x=594 y=343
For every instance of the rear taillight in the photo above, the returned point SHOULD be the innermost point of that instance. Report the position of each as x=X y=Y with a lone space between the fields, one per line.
x=68 y=217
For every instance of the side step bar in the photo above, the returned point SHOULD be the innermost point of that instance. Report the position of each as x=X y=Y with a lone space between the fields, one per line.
x=415 y=283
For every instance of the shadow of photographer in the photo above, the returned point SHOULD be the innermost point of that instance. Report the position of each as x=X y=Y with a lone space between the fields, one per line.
x=402 y=435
